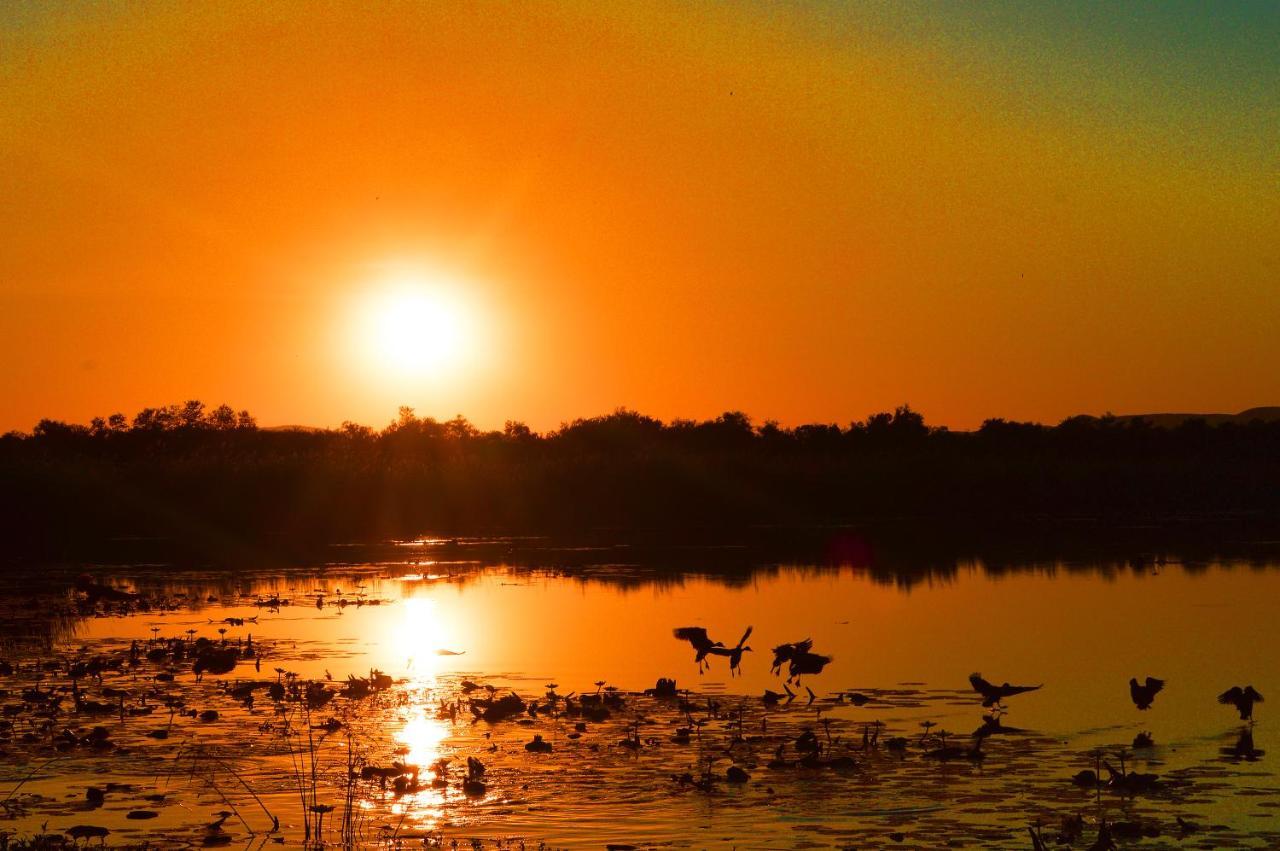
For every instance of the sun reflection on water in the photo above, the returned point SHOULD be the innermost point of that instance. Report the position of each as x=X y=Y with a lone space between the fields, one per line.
x=418 y=638
x=422 y=736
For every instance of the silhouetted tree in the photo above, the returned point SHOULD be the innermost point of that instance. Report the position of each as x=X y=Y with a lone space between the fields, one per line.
x=517 y=432
x=56 y=430
x=184 y=470
x=190 y=415
x=355 y=431
x=222 y=418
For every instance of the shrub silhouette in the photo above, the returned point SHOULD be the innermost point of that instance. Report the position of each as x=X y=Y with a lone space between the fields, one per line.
x=211 y=475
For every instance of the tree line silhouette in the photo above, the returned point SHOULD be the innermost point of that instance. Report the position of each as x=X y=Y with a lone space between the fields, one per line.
x=213 y=476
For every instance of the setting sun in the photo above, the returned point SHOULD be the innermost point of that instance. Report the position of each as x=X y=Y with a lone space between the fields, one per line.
x=574 y=424
x=416 y=326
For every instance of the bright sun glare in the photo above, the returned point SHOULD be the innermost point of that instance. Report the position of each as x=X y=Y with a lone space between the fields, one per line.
x=417 y=326
x=419 y=636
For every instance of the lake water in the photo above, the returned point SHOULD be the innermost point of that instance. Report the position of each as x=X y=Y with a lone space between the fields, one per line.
x=432 y=617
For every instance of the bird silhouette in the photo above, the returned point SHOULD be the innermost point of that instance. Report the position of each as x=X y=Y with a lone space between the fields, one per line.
x=1129 y=781
x=1143 y=695
x=702 y=643
x=1242 y=699
x=784 y=653
x=992 y=694
x=734 y=653
x=806 y=663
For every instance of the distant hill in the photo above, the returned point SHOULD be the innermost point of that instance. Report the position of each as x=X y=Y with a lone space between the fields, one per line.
x=1266 y=414
x=295 y=428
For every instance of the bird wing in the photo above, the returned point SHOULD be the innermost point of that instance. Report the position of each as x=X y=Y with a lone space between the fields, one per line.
x=809 y=663
x=979 y=684
x=1154 y=685
x=1010 y=691
x=1231 y=695
x=795 y=648
x=695 y=635
x=1251 y=692
x=745 y=636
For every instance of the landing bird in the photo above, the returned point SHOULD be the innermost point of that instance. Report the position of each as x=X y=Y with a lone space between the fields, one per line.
x=807 y=663
x=1242 y=699
x=697 y=636
x=784 y=653
x=1143 y=694
x=734 y=653
x=992 y=694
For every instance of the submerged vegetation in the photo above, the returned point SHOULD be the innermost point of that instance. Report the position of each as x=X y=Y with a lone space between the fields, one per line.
x=141 y=742
x=214 y=477
x=127 y=741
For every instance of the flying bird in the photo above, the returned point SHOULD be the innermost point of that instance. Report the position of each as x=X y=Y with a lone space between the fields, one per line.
x=734 y=653
x=806 y=663
x=1242 y=699
x=1143 y=694
x=992 y=694
x=702 y=643
x=784 y=653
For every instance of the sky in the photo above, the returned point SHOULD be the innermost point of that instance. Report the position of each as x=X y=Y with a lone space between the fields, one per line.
x=807 y=212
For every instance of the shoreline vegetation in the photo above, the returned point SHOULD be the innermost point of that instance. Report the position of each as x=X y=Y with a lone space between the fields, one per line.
x=214 y=480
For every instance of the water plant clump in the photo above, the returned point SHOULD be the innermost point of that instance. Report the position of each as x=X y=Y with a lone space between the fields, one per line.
x=138 y=737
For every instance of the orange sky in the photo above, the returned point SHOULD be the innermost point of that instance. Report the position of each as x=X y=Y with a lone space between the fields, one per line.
x=808 y=213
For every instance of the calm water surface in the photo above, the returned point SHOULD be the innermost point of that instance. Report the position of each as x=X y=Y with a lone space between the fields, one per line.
x=1082 y=630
